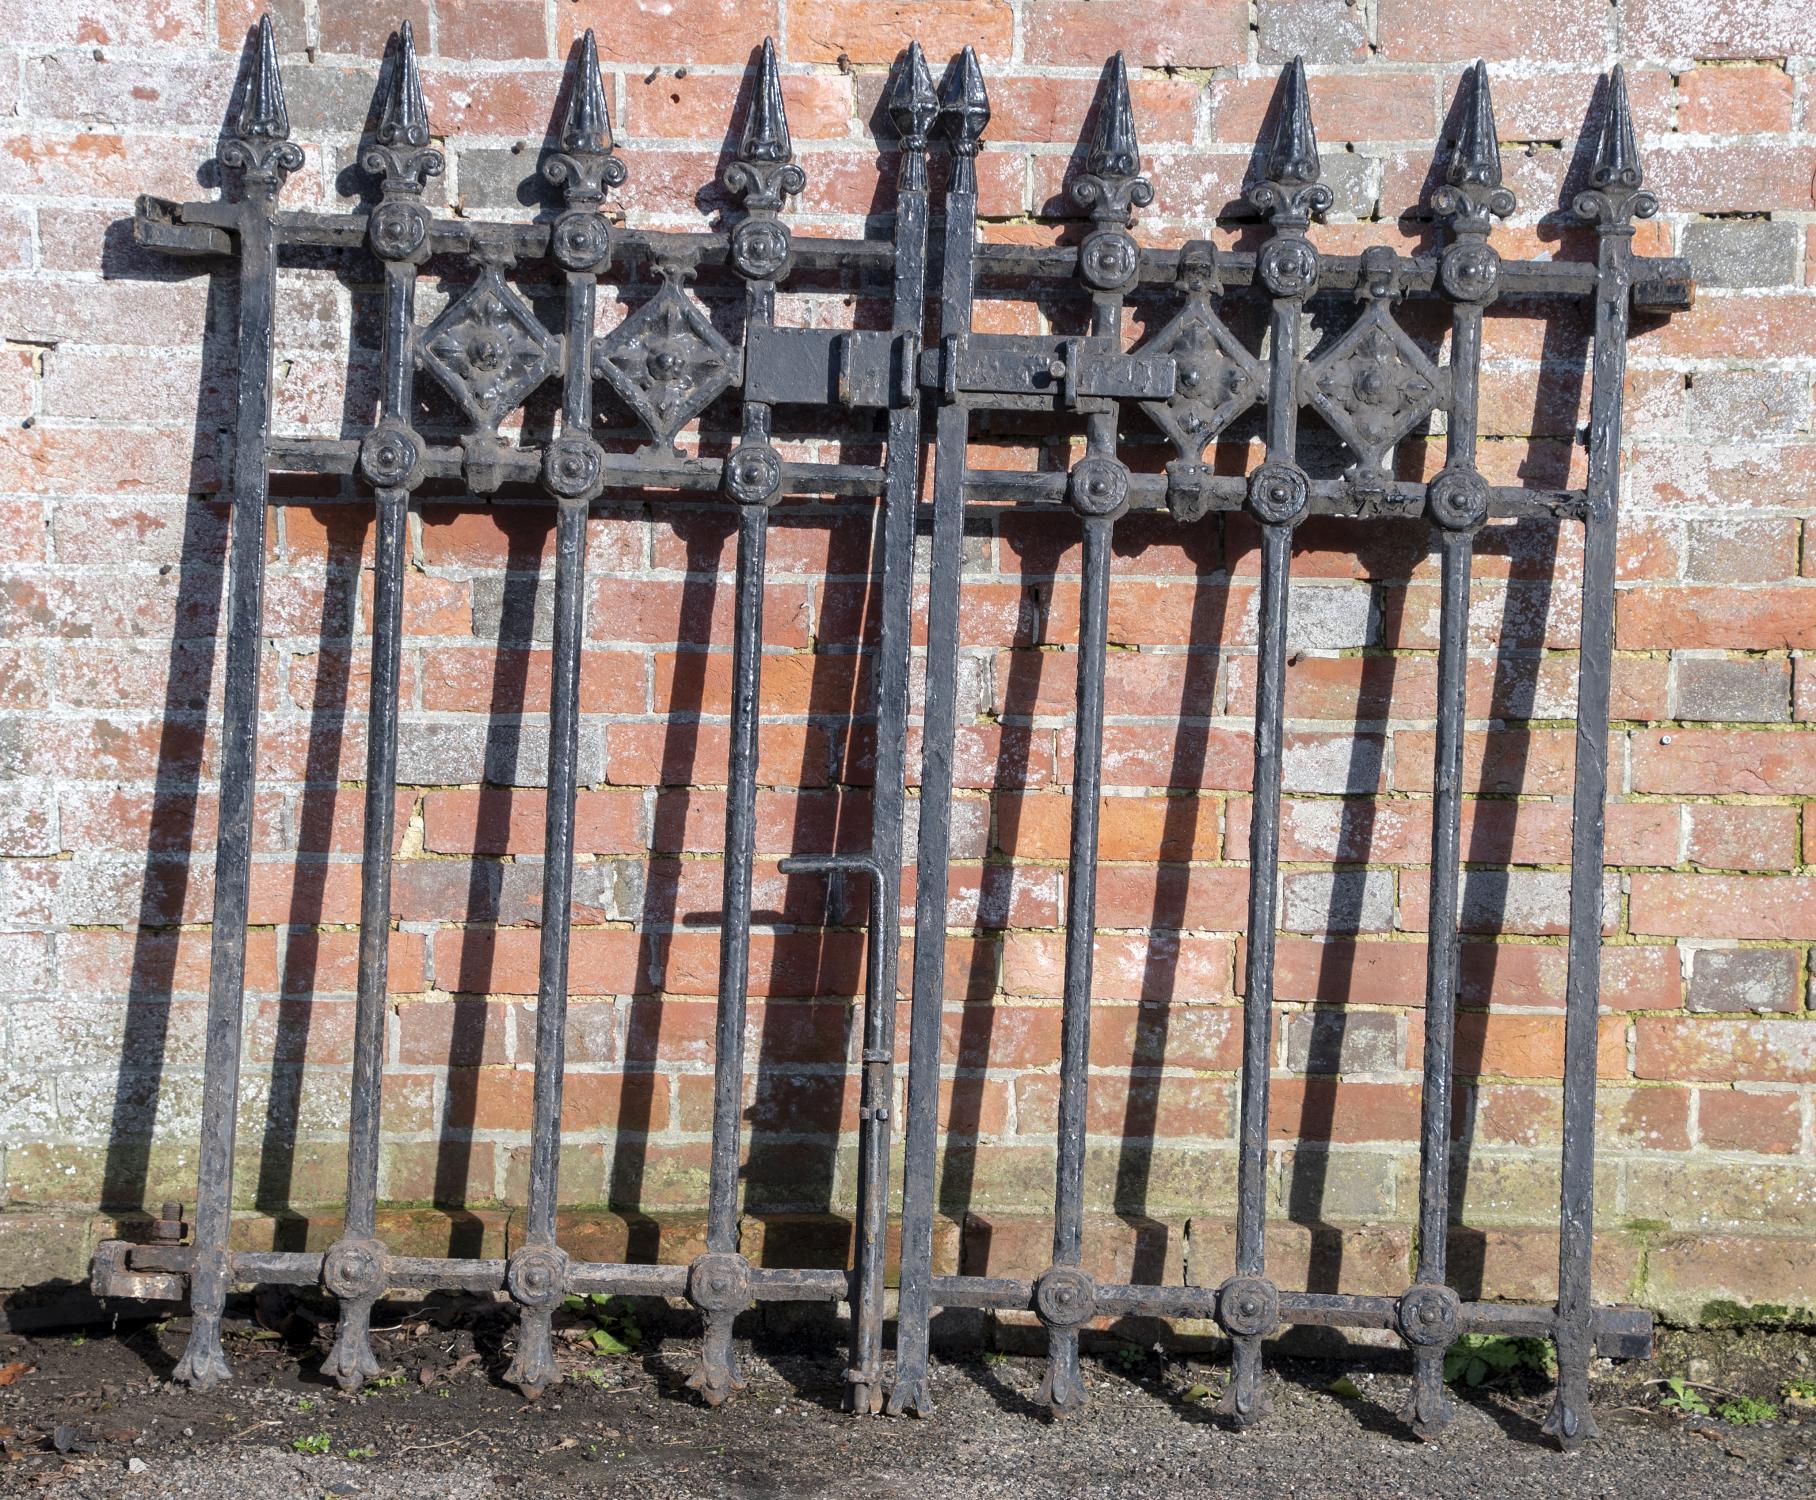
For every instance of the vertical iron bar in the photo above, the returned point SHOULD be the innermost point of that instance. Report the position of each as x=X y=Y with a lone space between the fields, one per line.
x=355 y=1270
x=763 y=173
x=1248 y=1304
x=537 y=1272
x=1469 y=274
x=914 y=107
x=1097 y=490
x=261 y=147
x=1612 y=203
x=964 y=112
x=580 y=242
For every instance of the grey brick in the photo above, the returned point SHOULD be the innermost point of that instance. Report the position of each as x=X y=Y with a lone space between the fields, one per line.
x=1322 y=31
x=1742 y=252
x=1336 y=1041
x=1339 y=901
x=1743 y=691
x=1743 y=979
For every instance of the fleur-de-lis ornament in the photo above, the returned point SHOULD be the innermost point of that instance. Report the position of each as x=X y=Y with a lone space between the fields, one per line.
x=1617 y=196
x=260 y=145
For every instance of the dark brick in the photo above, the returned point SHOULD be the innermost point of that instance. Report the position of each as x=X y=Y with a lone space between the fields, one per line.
x=1743 y=979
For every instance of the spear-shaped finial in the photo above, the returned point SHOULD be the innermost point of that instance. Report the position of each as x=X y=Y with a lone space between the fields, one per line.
x=763 y=173
x=1114 y=151
x=584 y=167
x=1289 y=190
x=766 y=136
x=1476 y=162
x=1292 y=155
x=400 y=153
x=1471 y=190
x=964 y=112
x=587 y=125
x=1617 y=157
x=913 y=104
x=262 y=114
x=404 y=120
x=1617 y=196
x=260 y=144
x=914 y=108
x=1112 y=182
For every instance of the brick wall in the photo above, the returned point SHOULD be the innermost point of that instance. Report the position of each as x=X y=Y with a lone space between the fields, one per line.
x=113 y=544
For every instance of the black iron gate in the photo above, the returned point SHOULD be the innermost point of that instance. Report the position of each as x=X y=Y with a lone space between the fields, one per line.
x=1372 y=387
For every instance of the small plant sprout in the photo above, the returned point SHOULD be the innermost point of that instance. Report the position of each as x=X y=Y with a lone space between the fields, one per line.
x=614 y=1329
x=1680 y=1395
x=316 y=1442
x=1744 y=1411
x=1479 y=1357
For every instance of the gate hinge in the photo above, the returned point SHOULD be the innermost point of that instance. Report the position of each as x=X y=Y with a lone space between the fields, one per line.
x=831 y=367
x=1035 y=369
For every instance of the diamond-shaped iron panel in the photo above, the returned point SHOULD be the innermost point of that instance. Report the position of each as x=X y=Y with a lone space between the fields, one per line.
x=489 y=350
x=1216 y=379
x=667 y=362
x=1373 y=386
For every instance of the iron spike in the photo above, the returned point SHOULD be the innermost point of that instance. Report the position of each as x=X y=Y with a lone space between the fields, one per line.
x=913 y=103
x=1476 y=161
x=404 y=121
x=965 y=103
x=1292 y=157
x=587 y=126
x=1114 y=150
x=766 y=136
x=263 y=116
x=1617 y=157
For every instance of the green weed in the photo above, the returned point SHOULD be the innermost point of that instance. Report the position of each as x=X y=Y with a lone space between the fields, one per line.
x=1478 y=1357
x=614 y=1329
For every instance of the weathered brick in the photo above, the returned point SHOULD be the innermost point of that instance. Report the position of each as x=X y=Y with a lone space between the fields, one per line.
x=1756 y=979
x=1151 y=33
x=1746 y=690
x=1543 y=30
x=1742 y=252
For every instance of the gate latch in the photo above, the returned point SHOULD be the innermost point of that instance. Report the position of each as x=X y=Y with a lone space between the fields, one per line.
x=1039 y=371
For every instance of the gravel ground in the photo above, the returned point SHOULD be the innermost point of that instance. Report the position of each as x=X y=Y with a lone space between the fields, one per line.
x=96 y=1416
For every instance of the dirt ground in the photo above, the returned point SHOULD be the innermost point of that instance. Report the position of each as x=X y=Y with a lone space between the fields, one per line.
x=94 y=1414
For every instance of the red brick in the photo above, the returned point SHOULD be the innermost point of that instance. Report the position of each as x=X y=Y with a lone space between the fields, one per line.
x=1171 y=33
x=704 y=105
x=1735 y=100
x=1372 y=106
x=1743 y=177
x=1724 y=1051
x=1539 y=30
x=1755 y=619
x=1728 y=1120
x=363 y=29
x=1743 y=838
x=1716 y=28
x=1724 y=906
x=492 y=28
x=695 y=32
x=1724 y=762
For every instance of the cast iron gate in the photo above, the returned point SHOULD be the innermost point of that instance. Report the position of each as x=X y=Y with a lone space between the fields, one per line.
x=1372 y=386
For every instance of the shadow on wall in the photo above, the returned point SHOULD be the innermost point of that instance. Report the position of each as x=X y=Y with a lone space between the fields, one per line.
x=799 y=1126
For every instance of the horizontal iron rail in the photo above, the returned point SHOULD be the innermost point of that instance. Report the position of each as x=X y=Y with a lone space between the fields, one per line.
x=1616 y=1327
x=203 y=228
x=705 y=476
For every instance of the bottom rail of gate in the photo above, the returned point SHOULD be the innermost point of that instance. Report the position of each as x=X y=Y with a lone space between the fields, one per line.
x=155 y=1272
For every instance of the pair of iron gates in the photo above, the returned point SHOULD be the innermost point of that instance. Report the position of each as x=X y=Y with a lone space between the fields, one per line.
x=667 y=363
